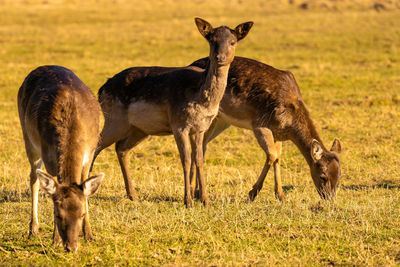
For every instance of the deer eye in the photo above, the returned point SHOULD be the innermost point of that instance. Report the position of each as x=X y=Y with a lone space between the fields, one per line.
x=233 y=43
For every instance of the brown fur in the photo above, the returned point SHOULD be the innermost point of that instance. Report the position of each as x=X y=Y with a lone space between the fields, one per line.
x=60 y=119
x=269 y=102
x=143 y=101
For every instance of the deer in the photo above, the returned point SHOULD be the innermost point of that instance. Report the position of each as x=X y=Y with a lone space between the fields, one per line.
x=268 y=102
x=60 y=119
x=181 y=101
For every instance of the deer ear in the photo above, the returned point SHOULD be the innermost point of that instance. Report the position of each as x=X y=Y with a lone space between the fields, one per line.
x=47 y=182
x=204 y=27
x=336 y=146
x=316 y=150
x=90 y=186
x=243 y=29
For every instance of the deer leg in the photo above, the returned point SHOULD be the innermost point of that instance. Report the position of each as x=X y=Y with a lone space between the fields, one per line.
x=216 y=128
x=181 y=138
x=115 y=128
x=34 y=186
x=194 y=188
x=87 y=229
x=197 y=151
x=277 y=173
x=123 y=148
x=35 y=162
x=266 y=141
x=56 y=235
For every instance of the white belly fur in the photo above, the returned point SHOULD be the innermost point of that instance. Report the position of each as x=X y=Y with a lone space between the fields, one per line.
x=149 y=117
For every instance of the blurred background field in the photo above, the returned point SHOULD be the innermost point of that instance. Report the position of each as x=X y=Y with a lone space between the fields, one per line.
x=345 y=56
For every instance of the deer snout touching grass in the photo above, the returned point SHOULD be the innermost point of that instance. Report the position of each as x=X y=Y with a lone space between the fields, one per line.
x=268 y=102
x=60 y=120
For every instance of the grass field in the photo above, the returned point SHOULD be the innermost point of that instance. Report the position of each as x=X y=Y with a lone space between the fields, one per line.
x=346 y=59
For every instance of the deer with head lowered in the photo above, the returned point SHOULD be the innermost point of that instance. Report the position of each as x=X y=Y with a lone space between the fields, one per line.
x=268 y=102
x=143 y=101
x=60 y=120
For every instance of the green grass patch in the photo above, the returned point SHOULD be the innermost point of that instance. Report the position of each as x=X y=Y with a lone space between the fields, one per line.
x=345 y=57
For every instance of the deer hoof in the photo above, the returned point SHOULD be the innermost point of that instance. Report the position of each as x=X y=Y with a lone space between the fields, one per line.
x=189 y=203
x=133 y=197
x=281 y=197
x=33 y=230
x=89 y=237
x=57 y=242
x=205 y=202
x=252 y=194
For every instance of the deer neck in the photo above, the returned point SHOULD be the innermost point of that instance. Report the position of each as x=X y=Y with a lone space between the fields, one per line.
x=213 y=87
x=70 y=163
x=303 y=136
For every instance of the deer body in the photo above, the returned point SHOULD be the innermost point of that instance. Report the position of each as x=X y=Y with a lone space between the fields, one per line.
x=143 y=101
x=60 y=120
x=268 y=101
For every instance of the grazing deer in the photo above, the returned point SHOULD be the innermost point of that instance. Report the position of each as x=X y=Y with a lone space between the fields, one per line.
x=60 y=119
x=268 y=102
x=143 y=101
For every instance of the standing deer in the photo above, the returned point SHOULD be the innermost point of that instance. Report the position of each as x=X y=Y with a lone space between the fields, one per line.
x=60 y=119
x=143 y=101
x=268 y=101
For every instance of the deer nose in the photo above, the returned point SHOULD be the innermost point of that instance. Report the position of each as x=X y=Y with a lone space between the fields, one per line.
x=69 y=248
x=220 y=58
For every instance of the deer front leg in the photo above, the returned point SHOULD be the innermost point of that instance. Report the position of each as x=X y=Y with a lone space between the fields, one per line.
x=123 y=148
x=87 y=229
x=266 y=141
x=182 y=142
x=194 y=184
x=216 y=128
x=197 y=151
x=277 y=173
x=34 y=186
x=56 y=235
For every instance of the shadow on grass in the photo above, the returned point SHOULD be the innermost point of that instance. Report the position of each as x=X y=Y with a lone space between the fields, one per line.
x=14 y=196
x=108 y=198
x=162 y=198
x=365 y=187
x=141 y=198
x=287 y=188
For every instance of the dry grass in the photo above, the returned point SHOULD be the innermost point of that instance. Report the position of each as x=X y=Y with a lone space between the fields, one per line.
x=346 y=61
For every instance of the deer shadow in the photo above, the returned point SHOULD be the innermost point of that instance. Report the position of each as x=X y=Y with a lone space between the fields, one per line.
x=161 y=199
x=365 y=187
x=14 y=195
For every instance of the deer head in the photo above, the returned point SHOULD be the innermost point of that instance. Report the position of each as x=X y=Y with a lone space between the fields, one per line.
x=222 y=40
x=325 y=170
x=69 y=205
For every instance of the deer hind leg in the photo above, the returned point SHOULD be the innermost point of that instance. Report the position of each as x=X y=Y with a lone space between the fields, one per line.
x=115 y=128
x=198 y=152
x=123 y=148
x=182 y=142
x=277 y=173
x=216 y=128
x=266 y=141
